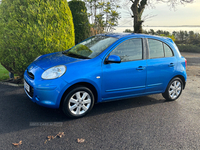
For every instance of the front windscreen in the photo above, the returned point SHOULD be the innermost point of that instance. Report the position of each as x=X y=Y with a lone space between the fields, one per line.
x=91 y=47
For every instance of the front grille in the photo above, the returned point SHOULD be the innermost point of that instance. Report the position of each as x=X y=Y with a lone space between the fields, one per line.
x=31 y=91
x=30 y=74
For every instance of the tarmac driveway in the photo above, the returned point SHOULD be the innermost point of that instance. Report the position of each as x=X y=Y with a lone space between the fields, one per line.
x=147 y=122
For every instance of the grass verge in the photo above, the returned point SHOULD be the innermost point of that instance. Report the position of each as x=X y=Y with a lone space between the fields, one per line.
x=4 y=74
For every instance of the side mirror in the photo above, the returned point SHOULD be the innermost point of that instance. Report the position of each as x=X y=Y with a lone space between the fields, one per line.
x=113 y=59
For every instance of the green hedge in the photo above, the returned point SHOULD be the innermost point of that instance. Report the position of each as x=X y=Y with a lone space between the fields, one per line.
x=189 y=48
x=29 y=28
x=80 y=19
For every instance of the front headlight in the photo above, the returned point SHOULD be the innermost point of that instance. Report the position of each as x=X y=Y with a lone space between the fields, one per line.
x=54 y=72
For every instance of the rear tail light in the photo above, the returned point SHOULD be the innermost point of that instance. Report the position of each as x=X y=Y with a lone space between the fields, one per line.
x=185 y=63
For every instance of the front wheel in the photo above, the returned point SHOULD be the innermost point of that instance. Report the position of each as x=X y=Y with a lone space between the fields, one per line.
x=174 y=89
x=78 y=102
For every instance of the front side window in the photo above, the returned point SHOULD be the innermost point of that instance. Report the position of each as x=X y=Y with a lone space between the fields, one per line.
x=129 y=50
x=91 y=47
x=155 y=49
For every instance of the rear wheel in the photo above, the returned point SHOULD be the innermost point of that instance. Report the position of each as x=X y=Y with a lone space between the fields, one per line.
x=174 y=89
x=78 y=102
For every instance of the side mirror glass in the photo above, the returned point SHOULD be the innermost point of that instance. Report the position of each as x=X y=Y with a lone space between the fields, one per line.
x=113 y=59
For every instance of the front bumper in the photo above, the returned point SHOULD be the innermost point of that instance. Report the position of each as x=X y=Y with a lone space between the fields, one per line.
x=47 y=93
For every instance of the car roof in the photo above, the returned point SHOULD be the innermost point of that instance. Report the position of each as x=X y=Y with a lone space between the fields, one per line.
x=124 y=35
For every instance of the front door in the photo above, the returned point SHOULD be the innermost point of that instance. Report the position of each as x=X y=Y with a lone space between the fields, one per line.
x=127 y=78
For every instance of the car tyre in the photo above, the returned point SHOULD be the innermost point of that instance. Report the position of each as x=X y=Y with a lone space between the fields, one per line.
x=78 y=102
x=173 y=90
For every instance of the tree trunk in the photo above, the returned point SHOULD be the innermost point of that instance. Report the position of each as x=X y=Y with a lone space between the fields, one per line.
x=138 y=8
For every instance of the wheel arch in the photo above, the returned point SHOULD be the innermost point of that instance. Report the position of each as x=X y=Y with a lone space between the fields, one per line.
x=182 y=79
x=86 y=84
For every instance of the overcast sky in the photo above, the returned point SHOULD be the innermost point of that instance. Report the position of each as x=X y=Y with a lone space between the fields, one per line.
x=188 y=14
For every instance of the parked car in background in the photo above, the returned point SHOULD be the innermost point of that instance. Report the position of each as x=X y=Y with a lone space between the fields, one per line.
x=106 y=67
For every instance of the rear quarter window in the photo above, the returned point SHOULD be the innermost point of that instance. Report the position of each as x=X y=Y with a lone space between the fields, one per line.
x=155 y=49
x=168 y=51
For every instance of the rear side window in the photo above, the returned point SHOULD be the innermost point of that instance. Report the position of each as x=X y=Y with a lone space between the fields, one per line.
x=158 y=49
x=129 y=50
x=168 y=51
x=155 y=48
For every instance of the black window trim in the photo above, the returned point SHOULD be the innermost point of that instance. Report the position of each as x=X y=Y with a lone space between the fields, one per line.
x=163 y=49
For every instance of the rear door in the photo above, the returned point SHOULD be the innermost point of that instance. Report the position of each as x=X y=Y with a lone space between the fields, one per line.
x=160 y=65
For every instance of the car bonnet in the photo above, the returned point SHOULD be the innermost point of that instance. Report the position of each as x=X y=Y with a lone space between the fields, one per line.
x=54 y=59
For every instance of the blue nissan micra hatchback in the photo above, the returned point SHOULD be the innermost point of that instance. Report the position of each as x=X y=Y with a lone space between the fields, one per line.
x=106 y=67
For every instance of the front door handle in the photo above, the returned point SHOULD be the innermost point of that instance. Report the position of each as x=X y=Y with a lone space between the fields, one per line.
x=140 y=68
x=171 y=65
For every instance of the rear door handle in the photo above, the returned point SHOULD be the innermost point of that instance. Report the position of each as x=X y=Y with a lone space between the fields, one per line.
x=140 y=68
x=171 y=65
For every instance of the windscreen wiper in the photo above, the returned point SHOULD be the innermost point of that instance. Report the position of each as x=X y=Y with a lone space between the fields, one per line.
x=64 y=52
x=77 y=56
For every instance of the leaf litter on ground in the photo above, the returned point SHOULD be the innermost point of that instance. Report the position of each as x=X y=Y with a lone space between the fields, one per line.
x=17 y=144
x=80 y=140
x=50 y=137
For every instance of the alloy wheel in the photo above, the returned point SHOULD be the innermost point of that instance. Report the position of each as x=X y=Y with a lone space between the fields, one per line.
x=175 y=89
x=79 y=103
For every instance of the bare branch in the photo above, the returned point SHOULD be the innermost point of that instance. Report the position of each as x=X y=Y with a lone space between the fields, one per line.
x=149 y=16
x=174 y=3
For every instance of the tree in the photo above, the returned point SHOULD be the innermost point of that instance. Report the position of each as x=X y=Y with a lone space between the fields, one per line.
x=138 y=6
x=137 y=9
x=80 y=19
x=128 y=31
x=182 y=36
x=29 y=28
x=152 y=31
x=103 y=14
x=111 y=16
